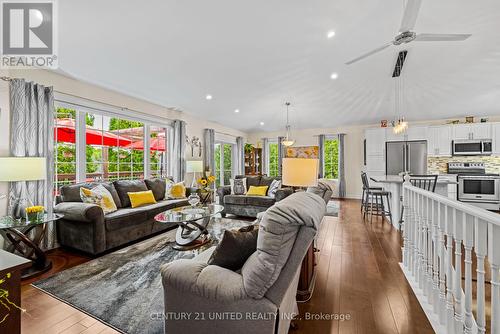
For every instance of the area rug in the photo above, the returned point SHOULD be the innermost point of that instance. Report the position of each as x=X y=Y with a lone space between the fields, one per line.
x=123 y=289
x=333 y=208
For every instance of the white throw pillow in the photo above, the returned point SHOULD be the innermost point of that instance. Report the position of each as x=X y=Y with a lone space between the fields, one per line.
x=238 y=186
x=100 y=196
x=273 y=188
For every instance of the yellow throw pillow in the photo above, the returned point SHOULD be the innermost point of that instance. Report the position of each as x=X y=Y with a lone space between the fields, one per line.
x=175 y=190
x=257 y=191
x=100 y=196
x=141 y=198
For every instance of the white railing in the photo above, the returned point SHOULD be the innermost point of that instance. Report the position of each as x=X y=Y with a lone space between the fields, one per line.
x=434 y=230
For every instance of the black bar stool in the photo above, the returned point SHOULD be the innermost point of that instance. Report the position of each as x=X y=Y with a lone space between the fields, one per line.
x=426 y=182
x=373 y=202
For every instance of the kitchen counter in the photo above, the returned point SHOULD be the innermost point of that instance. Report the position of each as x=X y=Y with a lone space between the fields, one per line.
x=446 y=185
x=442 y=179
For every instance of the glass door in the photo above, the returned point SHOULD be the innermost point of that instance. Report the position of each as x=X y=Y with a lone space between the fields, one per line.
x=224 y=154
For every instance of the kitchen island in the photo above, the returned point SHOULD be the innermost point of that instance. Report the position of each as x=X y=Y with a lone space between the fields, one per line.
x=446 y=186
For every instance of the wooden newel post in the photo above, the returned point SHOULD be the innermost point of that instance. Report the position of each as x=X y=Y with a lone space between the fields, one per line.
x=406 y=220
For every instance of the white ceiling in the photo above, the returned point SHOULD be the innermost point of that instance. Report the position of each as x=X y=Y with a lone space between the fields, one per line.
x=255 y=55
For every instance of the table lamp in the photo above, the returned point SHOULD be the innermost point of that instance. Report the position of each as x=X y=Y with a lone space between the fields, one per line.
x=194 y=166
x=299 y=172
x=15 y=169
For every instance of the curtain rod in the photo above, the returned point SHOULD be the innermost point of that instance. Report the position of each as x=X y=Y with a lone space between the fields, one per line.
x=5 y=78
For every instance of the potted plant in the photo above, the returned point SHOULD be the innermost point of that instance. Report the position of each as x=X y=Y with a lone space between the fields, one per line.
x=248 y=148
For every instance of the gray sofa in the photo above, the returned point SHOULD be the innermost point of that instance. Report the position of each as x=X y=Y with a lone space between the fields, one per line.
x=261 y=297
x=86 y=228
x=323 y=190
x=250 y=206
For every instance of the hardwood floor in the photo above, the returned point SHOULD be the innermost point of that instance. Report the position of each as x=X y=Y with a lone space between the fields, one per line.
x=358 y=277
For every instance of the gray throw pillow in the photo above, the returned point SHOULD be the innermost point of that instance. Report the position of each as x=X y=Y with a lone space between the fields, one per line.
x=238 y=186
x=235 y=248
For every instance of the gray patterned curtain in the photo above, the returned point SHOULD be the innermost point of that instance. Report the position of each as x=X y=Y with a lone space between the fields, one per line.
x=32 y=135
x=265 y=157
x=281 y=154
x=209 y=151
x=240 y=152
x=321 y=157
x=342 y=186
x=179 y=150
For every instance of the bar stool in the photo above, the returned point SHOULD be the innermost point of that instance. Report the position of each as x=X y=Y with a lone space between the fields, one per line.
x=426 y=182
x=373 y=202
x=366 y=187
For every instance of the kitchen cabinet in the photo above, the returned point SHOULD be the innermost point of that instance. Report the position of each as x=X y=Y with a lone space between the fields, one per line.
x=375 y=141
x=412 y=133
x=495 y=131
x=439 y=140
x=472 y=131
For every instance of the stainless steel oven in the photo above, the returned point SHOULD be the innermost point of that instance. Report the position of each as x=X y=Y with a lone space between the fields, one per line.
x=472 y=147
x=475 y=186
x=479 y=188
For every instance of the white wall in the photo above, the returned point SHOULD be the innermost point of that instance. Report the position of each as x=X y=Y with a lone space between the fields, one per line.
x=64 y=84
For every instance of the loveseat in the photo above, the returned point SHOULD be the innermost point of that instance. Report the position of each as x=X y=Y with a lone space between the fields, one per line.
x=86 y=228
x=250 y=206
x=259 y=298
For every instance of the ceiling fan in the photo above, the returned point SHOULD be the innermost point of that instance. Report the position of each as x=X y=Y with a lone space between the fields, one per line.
x=406 y=35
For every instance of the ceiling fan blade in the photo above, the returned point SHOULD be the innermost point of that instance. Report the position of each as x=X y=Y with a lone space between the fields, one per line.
x=441 y=37
x=410 y=15
x=369 y=53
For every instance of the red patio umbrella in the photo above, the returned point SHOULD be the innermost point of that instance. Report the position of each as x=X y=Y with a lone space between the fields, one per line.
x=156 y=144
x=65 y=131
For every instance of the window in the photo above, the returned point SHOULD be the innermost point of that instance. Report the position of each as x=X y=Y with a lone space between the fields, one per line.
x=273 y=159
x=64 y=147
x=331 y=160
x=223 y=163
x=114 y=147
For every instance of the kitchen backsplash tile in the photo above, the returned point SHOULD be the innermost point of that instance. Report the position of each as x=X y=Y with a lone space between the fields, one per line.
x=438 y=165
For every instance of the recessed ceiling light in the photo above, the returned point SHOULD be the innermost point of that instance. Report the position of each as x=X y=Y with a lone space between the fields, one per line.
x=261 y=123
x=208 y=97
x=236 y=110
x=334 y=76
x=330 y=34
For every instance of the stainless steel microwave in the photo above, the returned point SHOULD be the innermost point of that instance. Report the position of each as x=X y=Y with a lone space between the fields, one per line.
x=472 y=147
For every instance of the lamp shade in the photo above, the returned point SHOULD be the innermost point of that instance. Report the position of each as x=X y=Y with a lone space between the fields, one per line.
x=22 y=169
x=194 y=166
x=298 y=172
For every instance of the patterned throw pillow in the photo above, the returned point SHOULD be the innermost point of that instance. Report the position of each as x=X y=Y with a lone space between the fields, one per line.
x=273 y=188
x=238 y=186
x=175 y=190
x=99 y=196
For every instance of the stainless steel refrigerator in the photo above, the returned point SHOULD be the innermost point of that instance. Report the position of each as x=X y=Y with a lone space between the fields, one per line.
x=406 y=156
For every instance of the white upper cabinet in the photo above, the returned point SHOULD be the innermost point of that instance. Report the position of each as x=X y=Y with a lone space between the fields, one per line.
x=416 y=133
x=412 y=133
x=495 y=131
x=472 y=131
x=375 y=141
x=439 y=140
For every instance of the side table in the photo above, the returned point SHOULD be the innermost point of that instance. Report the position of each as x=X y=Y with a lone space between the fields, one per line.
x=25 y=238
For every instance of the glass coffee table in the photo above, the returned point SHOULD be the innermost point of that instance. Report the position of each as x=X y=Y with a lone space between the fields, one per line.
x=25 y=238
x=192 y=221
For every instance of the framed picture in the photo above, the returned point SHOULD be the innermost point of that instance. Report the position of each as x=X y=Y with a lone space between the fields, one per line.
x=307 y=152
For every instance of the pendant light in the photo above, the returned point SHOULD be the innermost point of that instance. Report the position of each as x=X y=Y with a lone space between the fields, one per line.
x=399 y=123
x=288 y=141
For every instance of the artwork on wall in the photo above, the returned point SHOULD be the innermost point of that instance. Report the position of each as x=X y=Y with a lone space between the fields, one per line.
x=194 y=142
x=307 y=152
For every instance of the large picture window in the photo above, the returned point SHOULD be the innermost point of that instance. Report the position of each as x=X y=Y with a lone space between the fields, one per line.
x=113 y=147
x=331 y=160
x=273 y=159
